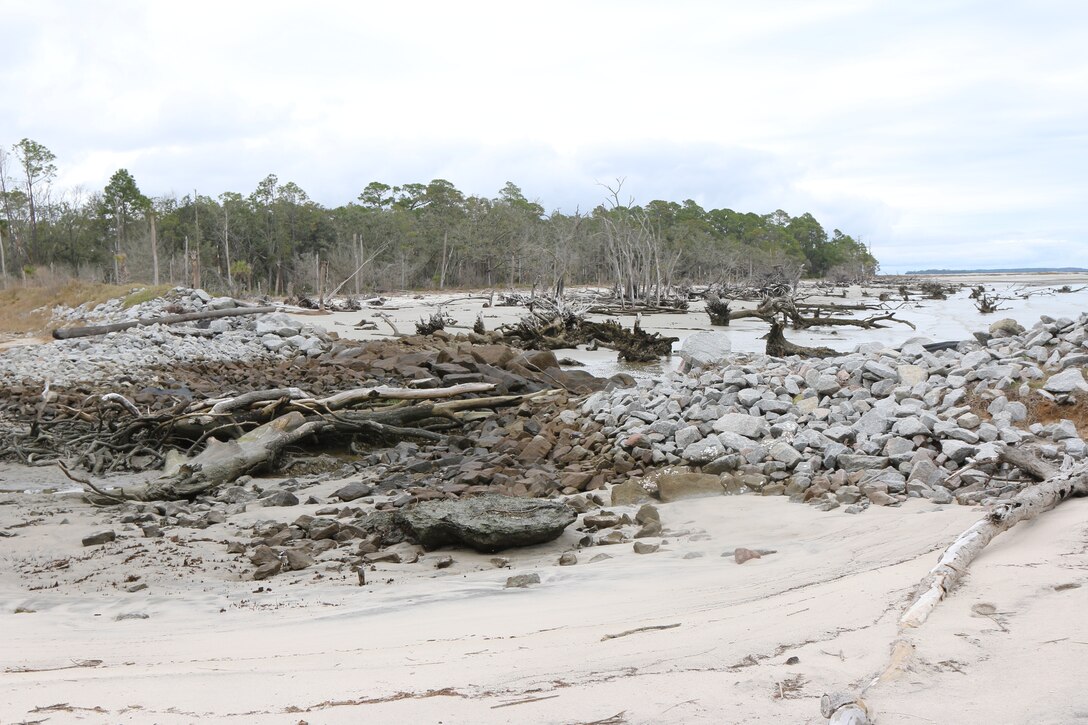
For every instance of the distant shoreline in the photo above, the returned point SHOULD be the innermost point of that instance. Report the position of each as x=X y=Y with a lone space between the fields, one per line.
x=1013 y=270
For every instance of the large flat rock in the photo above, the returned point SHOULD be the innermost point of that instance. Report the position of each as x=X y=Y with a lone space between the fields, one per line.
x=486 y=523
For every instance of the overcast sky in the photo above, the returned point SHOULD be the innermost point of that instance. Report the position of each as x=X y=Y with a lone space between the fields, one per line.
x=951 y=133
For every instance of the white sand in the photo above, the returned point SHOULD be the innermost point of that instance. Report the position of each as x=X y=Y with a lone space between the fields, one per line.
x=453 y=646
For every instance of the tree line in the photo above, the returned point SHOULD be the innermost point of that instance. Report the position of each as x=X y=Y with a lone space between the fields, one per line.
x=276 y=240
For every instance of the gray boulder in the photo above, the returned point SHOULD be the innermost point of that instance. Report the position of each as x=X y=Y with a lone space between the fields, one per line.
x=742 y=424
x=352 y=491
x=703 y=451
x=486 y=523
x=701 y=349
x=1066 y=381
x=1006 y=328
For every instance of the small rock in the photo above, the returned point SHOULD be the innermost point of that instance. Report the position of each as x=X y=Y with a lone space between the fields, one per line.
x=602 y=520
x=522 y=581
x=263 y=555
x=647 y=513
x=748 y=426
x=629 y=492
x=264 y=571
x=612 y=537
x=402 y=553
x=100 y=537
x=280 y=498
x=1006 y=327
x=568 y=558
x=741 y=555
x=444 y=562
x=353 y=491
x=641 y=547
x=298 y=559
x=650 y=528
x=1067 y=381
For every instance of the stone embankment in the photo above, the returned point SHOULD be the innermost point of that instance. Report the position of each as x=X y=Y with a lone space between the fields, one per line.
x=120 y=355
x=872 y=427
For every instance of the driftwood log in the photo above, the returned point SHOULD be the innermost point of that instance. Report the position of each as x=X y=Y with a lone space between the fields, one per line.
x=791 y=312
x=65 y=333
x=1054 y=488
x=1029 y=503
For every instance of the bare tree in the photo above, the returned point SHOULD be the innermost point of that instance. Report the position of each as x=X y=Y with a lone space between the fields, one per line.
x=633 y=248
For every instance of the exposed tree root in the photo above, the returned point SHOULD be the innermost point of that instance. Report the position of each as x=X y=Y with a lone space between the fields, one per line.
x=779 y=346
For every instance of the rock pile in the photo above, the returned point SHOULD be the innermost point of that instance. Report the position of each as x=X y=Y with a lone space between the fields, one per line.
x=119 y=355
x=872 y=427
x=199 y=352
x=347 y=534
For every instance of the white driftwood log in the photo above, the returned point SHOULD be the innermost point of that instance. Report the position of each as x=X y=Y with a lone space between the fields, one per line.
x=221 y=462
x=953 y=564
x=846 y=709
x=348 y=398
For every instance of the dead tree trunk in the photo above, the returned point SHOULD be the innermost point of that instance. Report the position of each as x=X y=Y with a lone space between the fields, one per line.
x=779 y=346
x=222 y=462
x=954 y=562
x=1027 y=504
x=65 y=333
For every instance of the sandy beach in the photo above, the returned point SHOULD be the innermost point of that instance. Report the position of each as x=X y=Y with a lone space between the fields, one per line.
x=174 y=628
x=682 y=635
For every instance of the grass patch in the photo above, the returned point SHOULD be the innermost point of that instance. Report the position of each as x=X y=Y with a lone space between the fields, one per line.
x=145 y=294
x=27 y=309
x=1039 y=409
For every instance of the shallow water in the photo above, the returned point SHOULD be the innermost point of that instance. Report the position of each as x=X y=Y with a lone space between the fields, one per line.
x=956 y=318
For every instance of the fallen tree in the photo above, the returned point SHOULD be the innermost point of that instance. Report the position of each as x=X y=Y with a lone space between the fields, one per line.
x=790 y=312
x=65 y=333
x=1029 y=503
x=1055 y=487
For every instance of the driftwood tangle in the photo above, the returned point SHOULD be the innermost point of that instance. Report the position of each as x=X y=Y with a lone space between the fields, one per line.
x=290 y=418
x=554 y=324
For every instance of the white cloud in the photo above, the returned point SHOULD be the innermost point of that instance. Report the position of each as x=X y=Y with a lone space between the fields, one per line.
x=906 y=124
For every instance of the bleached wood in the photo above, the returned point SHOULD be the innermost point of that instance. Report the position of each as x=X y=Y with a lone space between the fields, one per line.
x=65 y=333
x=955 y=560
x=348 y=398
